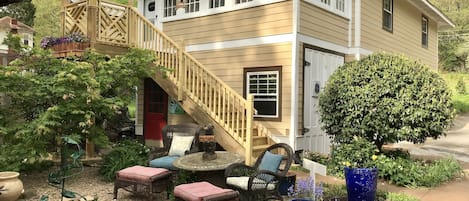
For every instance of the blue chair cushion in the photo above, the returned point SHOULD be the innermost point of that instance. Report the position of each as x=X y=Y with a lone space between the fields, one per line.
x=270 y=162
x=164 y=162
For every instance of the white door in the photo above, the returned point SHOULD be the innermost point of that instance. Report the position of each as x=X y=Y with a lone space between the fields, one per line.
x=318 y=67
x=150 y=11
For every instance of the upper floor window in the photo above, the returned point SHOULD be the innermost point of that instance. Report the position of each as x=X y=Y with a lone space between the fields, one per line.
x=216 y=3
x=387 y=14
x=192 y=6
x=242 y=1
x=264 y=84
x=169 y=8
x=339 y=7
x=424 y=31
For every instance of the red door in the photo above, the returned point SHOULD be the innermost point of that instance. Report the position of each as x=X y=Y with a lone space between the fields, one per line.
x=156 y=108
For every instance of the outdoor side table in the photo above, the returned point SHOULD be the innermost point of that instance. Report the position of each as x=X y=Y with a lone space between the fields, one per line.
x=208 y=170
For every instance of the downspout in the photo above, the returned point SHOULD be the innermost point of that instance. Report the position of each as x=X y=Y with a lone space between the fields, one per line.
x=294 y=75
x=358 y=22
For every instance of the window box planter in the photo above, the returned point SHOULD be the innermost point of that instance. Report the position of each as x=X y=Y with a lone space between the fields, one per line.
x=69 y=49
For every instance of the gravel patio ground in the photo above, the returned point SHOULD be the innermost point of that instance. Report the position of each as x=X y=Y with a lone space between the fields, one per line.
x=89 y=182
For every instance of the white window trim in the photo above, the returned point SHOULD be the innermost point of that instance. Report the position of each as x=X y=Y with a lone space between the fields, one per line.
x=331 y=8
x=205 y=10
x=425 y=32
x=276 y=94
x=391 y=13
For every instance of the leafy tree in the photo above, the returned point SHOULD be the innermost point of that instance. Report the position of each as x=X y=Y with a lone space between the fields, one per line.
x=47 y=21
x=23 y=11
x=385 y=99
x=8 y=2
x=453 y=43
x=53 y=98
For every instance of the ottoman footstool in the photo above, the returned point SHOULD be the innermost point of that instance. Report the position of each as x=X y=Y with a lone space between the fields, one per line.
x=142 y=180
x=204 y=191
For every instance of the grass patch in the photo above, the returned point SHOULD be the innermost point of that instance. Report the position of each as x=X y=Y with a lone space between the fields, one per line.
x=460 y=101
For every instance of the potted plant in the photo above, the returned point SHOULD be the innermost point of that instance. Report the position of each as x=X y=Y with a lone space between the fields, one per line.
x=305 y=190
x=361 y=175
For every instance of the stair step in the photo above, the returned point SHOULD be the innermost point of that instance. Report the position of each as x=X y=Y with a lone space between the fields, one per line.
x=259 y=140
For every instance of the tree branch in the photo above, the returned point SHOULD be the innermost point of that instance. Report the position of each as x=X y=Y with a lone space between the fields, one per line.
x=7 y=2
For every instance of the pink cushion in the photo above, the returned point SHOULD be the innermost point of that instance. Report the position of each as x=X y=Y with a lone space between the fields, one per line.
x=141 y=174
x=199 y=190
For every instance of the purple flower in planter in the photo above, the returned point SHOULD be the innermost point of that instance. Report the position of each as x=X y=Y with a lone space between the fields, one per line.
x=306 y=188
x=73 y=37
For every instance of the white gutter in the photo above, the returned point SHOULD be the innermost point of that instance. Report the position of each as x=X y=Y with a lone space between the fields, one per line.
x=438 y=12
x=358 y=22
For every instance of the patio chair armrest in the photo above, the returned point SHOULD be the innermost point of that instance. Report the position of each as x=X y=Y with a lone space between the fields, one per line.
x=157 y=153
x=238 y=169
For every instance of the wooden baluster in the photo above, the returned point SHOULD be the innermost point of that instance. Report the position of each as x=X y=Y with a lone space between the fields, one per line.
x=181 y=71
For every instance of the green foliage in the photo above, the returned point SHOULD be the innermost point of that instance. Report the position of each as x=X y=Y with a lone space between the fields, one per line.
x=47 y=20
x=125 y=154
x=452 y=56
x=400 y=197
x=417 y=173
x=51 y=98
x=339 y=192
x=358 y=153
x=23 y=11
x=461 y=87
x=460 y=101
x=385 y=99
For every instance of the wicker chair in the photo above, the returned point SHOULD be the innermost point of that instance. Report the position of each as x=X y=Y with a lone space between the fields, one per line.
x=261 y=181
x=164 y=157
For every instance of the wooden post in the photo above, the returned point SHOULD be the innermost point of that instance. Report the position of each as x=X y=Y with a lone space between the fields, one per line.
x=130 y=3
x=181 y=72
x=91 y=28
x=249 y=119
x=63 y=14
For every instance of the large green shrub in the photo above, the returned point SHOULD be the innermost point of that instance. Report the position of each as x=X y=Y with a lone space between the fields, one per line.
x=125 y=154
x=385 y=99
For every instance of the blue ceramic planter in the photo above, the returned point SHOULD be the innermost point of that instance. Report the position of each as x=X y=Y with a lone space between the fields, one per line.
x=361 y=183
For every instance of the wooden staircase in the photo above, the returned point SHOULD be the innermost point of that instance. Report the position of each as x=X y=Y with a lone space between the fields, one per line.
x=205 y=97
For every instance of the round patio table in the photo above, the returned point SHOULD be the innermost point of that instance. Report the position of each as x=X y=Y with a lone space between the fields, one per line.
x=208 y=170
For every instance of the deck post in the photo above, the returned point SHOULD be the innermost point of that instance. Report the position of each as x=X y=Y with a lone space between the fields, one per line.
x=63 y=14
x=181 y=71
x=92 y=21
x=249 y=119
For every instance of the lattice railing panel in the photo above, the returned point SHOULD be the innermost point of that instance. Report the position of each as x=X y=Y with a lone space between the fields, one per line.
x=76 y=18
x=113 y=24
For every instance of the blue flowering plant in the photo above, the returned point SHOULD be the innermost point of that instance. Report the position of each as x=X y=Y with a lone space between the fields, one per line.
x=306 y=190
x=49 y=41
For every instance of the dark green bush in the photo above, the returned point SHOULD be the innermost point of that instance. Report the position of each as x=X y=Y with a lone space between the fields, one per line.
x=385 y=99
x=461 y=87
x=125 y=154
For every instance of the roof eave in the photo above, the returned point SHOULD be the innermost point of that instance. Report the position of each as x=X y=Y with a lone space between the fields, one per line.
x=429 y=9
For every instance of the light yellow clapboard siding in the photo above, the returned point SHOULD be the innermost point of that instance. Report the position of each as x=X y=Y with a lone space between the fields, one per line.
x=271 y=19
x=229 y=64
x=319 y=23
x=406 y=35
